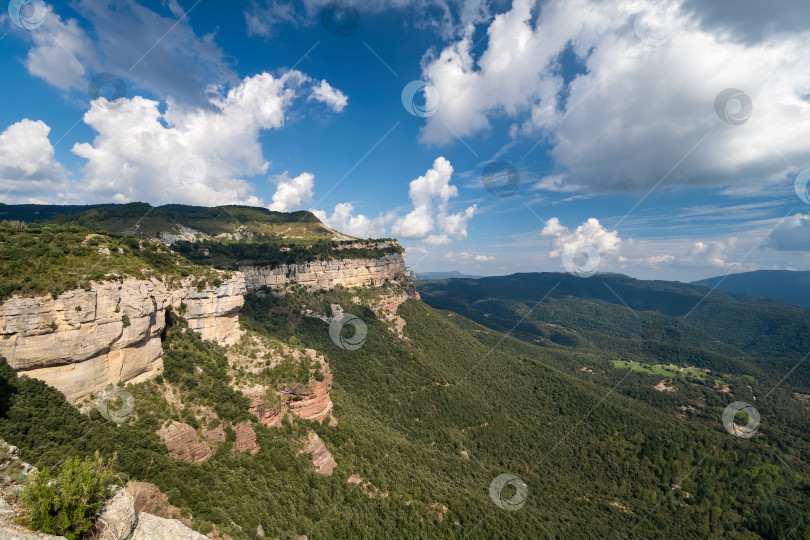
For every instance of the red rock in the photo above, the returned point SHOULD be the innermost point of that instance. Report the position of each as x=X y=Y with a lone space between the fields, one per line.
x=321 y=458
x=182 y=442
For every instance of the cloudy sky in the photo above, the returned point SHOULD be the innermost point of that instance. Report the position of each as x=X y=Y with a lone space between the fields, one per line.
x=658 y=139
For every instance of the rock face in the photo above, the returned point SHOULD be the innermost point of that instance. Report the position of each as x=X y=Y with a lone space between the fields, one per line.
x=321 y=457
x=316 y=403
x=245 y=439
x=214 y=312
x=308 y=402
x=120 y=520
x=328 y=274
x=82 y=341
x=182 y=442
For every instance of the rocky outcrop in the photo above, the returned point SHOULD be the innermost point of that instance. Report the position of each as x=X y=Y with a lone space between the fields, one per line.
x=266 y=414
x=149 y=499
x=321 y=457
x=328 y=274
x=214 y=312
x=368 y=488
x=269 y=403
x=182 y=442
x=386 y=307
x=315 y=404
x=82 y=341
x=245 y=439
x=120 y=520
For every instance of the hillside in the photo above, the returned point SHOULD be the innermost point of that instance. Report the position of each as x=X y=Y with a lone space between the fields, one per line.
x=427 y=423
x=788 y=285
x=175 y=221
x=643 y=320
x=354 y=409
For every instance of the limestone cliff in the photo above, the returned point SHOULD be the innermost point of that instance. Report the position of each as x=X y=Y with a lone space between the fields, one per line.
x=84 y=340
x=328 y=274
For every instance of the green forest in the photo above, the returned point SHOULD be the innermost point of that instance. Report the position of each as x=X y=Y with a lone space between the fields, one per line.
x=431 y=421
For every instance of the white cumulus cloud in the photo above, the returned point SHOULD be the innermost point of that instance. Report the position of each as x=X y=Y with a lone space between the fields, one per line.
x=292 y=193
x=344 y=220
x=638 y=107
x=334 y=98
x=191 y=155
x=467 y=257
x=792 y=234
x=566 y=243
x=28 y=170
x=60 y=53
x=431 y=220
x=711 y=253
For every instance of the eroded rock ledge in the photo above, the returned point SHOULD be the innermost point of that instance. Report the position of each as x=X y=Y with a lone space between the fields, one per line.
x=328 y=274
x=82 y=341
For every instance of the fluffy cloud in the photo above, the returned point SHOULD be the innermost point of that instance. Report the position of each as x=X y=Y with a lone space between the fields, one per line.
x=566 y=243
x=713 y=253
x=161 y=54
x=640 y=104
x=192 y=155
x=430 y=220
x=60 y=53
x=334 y=98
x=792 y=234
x=28 y=170
x=556 y=182
x=292 y=193
x=584 y=249
x=344 y=220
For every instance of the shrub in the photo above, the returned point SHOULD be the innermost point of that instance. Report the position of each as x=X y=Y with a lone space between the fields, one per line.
x=68 y=503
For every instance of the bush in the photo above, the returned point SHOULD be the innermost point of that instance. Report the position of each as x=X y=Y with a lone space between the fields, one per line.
x=67 y=504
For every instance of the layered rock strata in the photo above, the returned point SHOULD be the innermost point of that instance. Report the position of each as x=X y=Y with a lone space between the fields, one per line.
x=82 y=341
x=327 y=274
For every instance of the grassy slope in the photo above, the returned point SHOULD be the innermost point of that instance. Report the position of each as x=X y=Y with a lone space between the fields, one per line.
x=53 y=259
x=147 y=221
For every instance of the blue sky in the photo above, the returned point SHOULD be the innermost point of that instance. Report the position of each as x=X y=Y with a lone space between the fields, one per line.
x=657 y=139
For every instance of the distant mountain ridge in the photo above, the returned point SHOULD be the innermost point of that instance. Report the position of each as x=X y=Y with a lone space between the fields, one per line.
x=676 y=322
x=789 y=285
x=451 y=274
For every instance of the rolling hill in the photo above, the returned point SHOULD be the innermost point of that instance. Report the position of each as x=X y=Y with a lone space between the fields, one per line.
x=788 y=285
